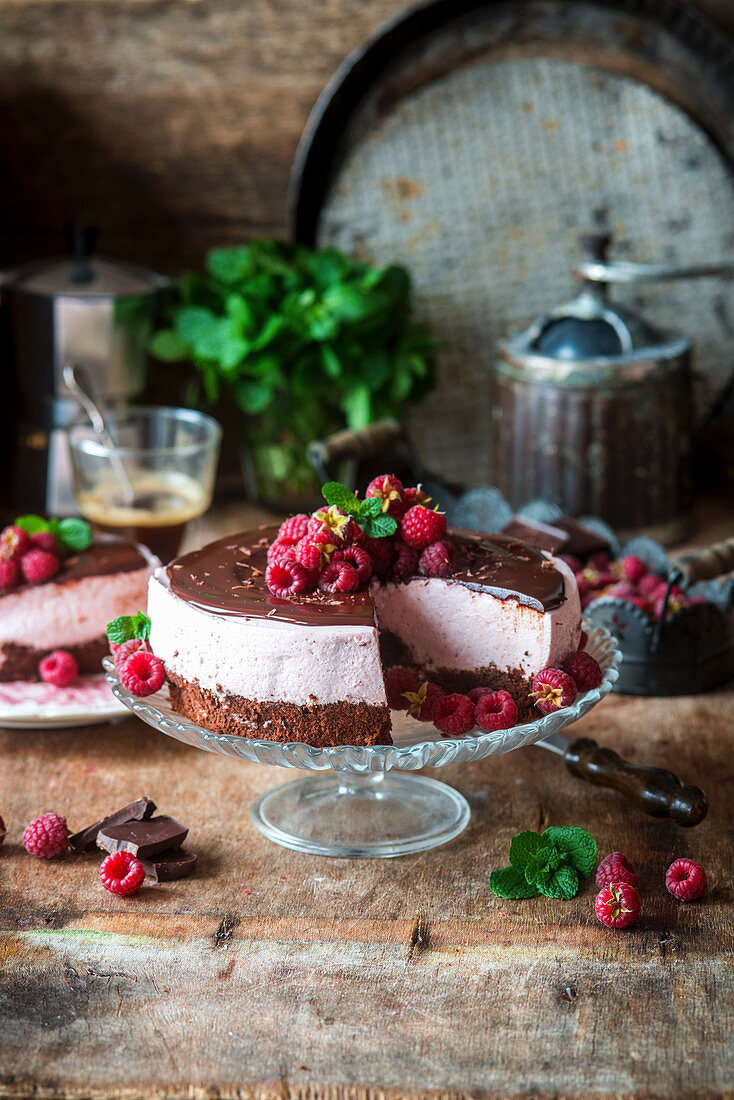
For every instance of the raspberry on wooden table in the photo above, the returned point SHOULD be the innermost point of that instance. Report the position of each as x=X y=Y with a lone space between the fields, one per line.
x=358 y=558
x=440 y=559
x=14 y=542
x=399 y=680
x=286 y=578
x=495 y=710
x=39 y=565
x=552 y=689
x=44 y=540
x=9 y=574
x=142 y=673
x=420 y=526
x=453 y=714
x=615 y=868
x=59 y=668
x=294 y=528
x=617 y=905
x=583 y=670
x=389 y=490
x=340 y=576
x=47 y=836
x=121 y=873
x=685 y=879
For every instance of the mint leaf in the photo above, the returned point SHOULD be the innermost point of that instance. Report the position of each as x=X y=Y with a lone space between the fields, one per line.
x=563 y=883
x=141 y=626
x=370 y=507
x=73 y=533
x=378 y=527
x=511 y=883
x=542 y=864
x=523 y=848
x=339 y=495
x=120 y=630
x=33 y=524
x=577 y=847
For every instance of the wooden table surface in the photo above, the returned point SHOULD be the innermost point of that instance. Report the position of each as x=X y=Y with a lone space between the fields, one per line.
x=274 y=974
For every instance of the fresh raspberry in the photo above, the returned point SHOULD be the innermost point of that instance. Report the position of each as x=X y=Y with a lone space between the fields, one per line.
x=601 y=561
x=617 y=905
x=685 y=879
x=440 y=559
x=44 y=540
x=643 y=604
x=415 y=495
x=622 y=590
x=595 y=578
x=495 y=710
x=357 y=557
x=397 y=681
x=676 y=601
x=58 y=668
x=14 y=542
x=453 y=714
x=123 y=651
x=382 y=554
x=142 y=673
x=421 y=701
x=406 y=561
x=294 y=528
x=615 y=868
x=314 y=553
x=121 y=873
x=281 y=549
x=634 y=568
x=389 y=490
x=420 y=526
x=340 y=576
x=39 y=565
x=552 y=689
x=573 y=563
x=46 y=836
x=331 y=521
x=584 y=670
x=286 y=578
x=651 y=585
x=3 y=830
x=9 y=574
x=476 y=693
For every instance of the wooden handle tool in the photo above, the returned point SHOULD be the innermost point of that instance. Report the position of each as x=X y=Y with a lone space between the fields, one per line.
x=704 y=565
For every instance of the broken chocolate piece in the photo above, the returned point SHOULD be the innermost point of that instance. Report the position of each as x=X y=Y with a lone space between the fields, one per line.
x=582 y=541
x=540 y=535
x=86 y=839
x=143 y=838
x=169 y=865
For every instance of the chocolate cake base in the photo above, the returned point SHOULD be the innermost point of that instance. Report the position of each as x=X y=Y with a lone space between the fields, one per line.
x=322 y=725
x=20 y=662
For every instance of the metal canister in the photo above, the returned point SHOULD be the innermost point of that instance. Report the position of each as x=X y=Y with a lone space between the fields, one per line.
x=592 y=410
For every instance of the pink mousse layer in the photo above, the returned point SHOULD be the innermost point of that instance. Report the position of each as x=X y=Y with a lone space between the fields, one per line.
x=53 y=616
x=448 y=626
x=264 y=659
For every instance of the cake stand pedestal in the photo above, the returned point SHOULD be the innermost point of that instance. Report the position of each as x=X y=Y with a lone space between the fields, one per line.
x=379 y=815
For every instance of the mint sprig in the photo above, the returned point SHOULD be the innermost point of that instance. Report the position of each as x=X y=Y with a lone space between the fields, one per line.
x=126 y=627
x=71 y=533
x=367 y=514
x=550 y=863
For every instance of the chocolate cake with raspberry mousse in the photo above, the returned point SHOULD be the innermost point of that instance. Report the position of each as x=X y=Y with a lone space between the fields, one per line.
x=55 y=598
x=277 y=634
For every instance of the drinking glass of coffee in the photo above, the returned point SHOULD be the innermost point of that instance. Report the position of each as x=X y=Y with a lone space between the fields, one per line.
x=157 y=477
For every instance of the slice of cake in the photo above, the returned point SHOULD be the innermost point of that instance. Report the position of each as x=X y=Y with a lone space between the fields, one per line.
x=276 y=635
x=71 y=608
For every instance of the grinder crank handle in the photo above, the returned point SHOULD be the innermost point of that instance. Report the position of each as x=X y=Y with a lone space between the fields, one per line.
x=656 y=791
x=704 y=565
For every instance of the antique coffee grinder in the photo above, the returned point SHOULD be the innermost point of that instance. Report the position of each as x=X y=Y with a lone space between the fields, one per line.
x=592 y=406
x=82 y=309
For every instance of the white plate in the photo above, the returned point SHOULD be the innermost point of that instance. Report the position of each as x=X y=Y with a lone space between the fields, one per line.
x=27 y=705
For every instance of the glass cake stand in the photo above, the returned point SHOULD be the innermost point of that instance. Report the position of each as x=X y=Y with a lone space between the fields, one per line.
x=362 y=804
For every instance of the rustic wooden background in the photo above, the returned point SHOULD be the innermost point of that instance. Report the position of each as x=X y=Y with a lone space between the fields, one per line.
x=171 y=124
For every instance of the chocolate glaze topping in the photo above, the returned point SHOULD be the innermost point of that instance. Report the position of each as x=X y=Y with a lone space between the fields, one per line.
x=228 y=577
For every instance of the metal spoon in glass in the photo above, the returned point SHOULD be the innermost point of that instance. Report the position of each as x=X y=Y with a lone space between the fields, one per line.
x=77 y=382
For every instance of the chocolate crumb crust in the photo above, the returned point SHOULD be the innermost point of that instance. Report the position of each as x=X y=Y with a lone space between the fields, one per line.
x=20 y=662
x=227 y=577
x=322 y=725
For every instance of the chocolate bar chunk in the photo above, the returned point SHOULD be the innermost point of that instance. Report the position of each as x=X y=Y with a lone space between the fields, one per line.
x=86 y=839
x=582 y=542
x=143 y=838
x=540 y=535
x=169 y=865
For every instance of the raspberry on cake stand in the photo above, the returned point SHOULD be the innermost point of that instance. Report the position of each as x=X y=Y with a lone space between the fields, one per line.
x=366 y=801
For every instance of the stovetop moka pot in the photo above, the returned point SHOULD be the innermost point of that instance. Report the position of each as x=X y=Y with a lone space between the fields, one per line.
x=592 y=406
x=79 y=308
